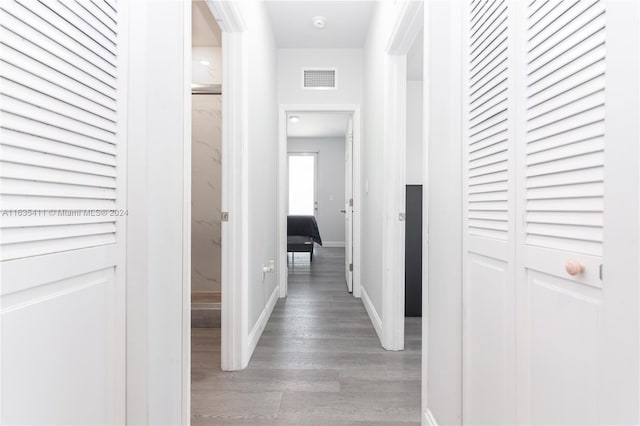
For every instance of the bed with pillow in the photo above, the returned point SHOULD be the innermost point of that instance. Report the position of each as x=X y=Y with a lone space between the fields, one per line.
x=302 y=233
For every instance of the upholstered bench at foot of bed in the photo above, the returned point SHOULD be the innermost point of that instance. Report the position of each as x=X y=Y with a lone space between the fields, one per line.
x=300 y=244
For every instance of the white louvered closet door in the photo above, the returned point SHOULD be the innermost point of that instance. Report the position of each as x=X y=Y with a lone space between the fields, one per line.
x=565 y=307
x=488 y=232
x=551 y=226
x=62 y=193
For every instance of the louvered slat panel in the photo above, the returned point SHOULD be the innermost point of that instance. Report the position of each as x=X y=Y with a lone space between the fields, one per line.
x=29 y=158
x=43 y=233
x=47 y=174
x=49 y=30
x=38 y=248
x=46 y=102
x=54 y=63
x=58 y=126
x=565 y=126
x=108 y=7
x=488 y=120
x=25 y=222
x=93 y=15
x=62 y=120
x=30 y=69
x=31 y=127
x=30 y=80
x=21 y=202
x=50 y=189
x=72 y=57
x=66 y=21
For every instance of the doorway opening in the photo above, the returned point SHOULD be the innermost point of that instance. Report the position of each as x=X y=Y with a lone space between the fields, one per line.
x=318 y=206
x=414 y=194
x=405 y=39
x=206 y=198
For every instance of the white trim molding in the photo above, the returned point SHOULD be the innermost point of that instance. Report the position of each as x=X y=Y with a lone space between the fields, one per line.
x=393 y=193
x=235 y=125
x=409 y=22
x=227 y=15
x=283 y=188
x=186 y=220
x=235 y=245
x=261 y=323
x=406 y=28
x=373 y=314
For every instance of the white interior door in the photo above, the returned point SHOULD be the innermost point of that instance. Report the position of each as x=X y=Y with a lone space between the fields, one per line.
x=488 y=257
x=550 y=311
x=63 y=196
x=348 y=205
x=574 y=123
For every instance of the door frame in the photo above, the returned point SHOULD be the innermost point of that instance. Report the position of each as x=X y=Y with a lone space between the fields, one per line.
x=235 y=125
x=283 y=182
x=406 y=28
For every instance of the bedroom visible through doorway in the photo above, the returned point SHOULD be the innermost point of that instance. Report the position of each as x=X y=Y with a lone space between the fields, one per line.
x=318 y=157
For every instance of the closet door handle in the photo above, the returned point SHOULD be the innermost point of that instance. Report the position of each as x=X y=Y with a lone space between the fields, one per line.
x=343 y=211
x=573 y=267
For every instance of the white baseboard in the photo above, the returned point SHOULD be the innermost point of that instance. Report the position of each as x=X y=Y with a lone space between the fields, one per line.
x=373 y=314
x=429 y=420
x=333 y=244
x=256 y=332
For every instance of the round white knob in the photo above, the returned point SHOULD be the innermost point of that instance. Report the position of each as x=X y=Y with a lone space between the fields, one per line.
x=573 y=267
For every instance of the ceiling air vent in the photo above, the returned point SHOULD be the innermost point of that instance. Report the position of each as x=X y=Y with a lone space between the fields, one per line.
x=319 y=79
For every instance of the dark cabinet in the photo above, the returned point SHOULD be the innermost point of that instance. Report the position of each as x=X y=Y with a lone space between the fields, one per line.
x=413 y=252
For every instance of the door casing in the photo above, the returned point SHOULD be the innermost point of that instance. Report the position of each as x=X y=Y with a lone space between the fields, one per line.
x=407 y=26
x=283 y=182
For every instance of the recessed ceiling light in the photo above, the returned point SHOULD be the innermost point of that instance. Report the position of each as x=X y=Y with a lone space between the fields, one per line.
x=319 y=22
x=294 y=119
x=205 y=63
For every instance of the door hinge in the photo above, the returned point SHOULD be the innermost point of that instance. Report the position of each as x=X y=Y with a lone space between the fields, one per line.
x=402 y=217
x=350 y=202
x=351 y=267
x=224 y=216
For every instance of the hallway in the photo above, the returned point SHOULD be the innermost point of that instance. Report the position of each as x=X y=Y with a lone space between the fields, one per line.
x=319 y=362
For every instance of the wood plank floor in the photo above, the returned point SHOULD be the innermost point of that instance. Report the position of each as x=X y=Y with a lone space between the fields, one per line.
x=319 y=362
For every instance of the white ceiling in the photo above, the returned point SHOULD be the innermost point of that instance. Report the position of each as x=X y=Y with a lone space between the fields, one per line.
x=318 y=125
x=415 y=59
x=347 y=23
x=204 y=28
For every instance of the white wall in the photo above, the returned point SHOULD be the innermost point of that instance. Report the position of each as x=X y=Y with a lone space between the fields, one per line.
x=372 y=153
x=158 y=94
x=349 y=75
x=330 y=184
x=443 y=350
x=263 y=155
x=414 y=132
x=159 y=98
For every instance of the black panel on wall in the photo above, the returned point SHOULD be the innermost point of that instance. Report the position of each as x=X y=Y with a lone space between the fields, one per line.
x=413 y=252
